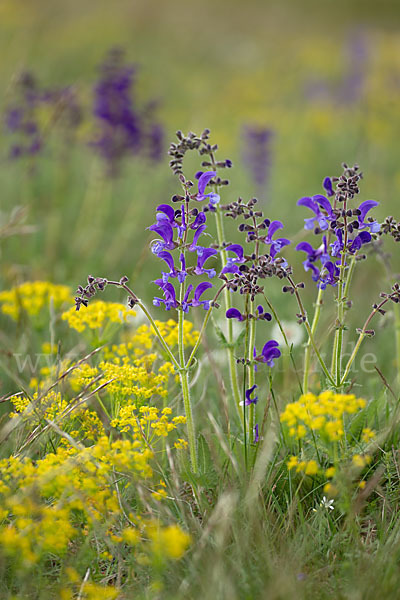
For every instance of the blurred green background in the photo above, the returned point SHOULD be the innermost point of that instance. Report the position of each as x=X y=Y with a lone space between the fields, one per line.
x=323 y=76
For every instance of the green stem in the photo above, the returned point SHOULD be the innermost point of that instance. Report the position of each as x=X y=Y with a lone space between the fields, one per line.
x=340 y=307
x=307 y=353
x=228 y=304
x=190 y=423
x=251 y=368
x=184 y=376
x=396 y=309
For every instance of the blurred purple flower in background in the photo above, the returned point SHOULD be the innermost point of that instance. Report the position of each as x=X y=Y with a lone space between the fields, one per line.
x=256 y=154
x=22 y=120
x=123 y=129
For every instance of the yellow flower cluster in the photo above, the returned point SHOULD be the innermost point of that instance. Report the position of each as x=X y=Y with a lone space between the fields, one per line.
x=126 y=377
x=302 y=466
x=50 y=406
x=169 y=542
x=31 y=297
x=96 y=315
x=144 y=336
x=147 y=421
x=323 y=413
x=70 y=494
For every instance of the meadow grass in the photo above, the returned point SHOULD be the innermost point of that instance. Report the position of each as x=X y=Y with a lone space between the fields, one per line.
x=129 y=468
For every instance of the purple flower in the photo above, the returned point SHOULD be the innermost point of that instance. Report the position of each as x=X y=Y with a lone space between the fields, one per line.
x=362 y=238
x=232 y=262
x=249 y=400
x=199 y=220
x=263 y=315
x=257 y=152
x=182 y=273
x=278 y=244
x=234 y=313
x=314 y=204
x=204 y=179
x=165 y=211
x=269 y=353
x=329 y=276
x=338 y=245
x=327 y=184
x=123 y=128
x=182 y=227
x=164 y=229
x=167 y=257
x=202 y=255
x=198 y=292
x=256 y=438
x=364 y=209
x=193 y=246
x=313 y=256
x=169 y=295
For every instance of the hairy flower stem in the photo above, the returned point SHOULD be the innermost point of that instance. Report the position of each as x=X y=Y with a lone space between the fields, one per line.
x=396 y=310
x=361 y=337
x=307 y=352
x=184 y=376
x=246 y=351
x=228 y=304
x=251 y=367
x=337 y=363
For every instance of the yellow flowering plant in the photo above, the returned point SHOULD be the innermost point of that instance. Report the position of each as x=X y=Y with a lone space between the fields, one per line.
x=91 y=438
x=331 y=433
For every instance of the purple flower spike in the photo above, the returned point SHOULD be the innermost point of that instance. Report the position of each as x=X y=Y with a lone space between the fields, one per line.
x=256 y=434
x=249 y=400
x=364 y=208
x=202 y=255
x=234 y=313
x=269 y=352
x=201 y=288
x=327 y=184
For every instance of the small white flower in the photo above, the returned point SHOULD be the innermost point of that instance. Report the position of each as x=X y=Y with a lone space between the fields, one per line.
x=325 y=503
